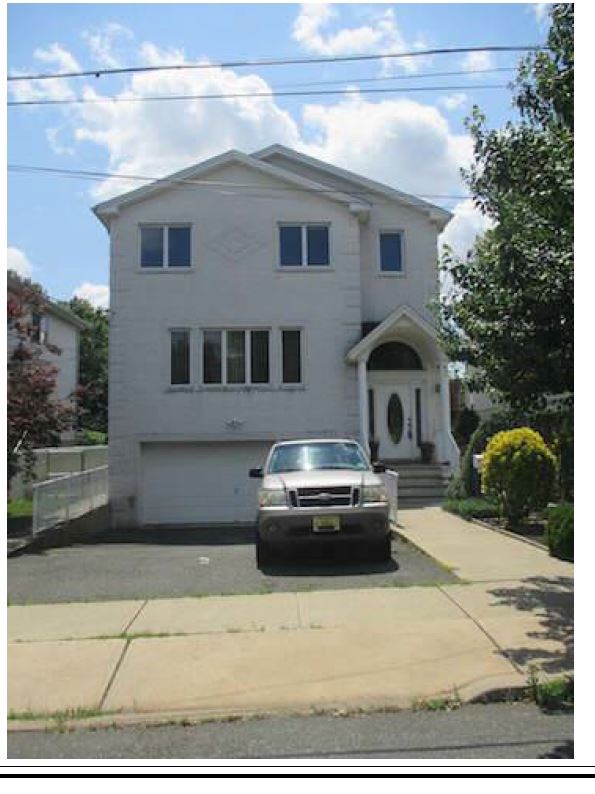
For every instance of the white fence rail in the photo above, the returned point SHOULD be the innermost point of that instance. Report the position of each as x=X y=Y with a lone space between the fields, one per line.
x=62 y=499
x=391 y=483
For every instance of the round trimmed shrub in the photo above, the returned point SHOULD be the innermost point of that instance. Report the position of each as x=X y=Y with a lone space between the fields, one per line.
x=518 y=472
x=477 y=444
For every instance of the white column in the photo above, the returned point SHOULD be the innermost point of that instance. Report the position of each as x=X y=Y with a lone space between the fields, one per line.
x=362 y=382
x=445 y=396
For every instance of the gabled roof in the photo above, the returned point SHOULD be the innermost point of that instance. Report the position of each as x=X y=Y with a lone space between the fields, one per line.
x=369 y=342
x=15 y=285
x=436 y=213
x=109 y=208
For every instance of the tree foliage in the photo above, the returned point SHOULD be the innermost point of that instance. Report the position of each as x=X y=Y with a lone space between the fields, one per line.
x=35 y=417
x=93 y=365
x=511 y=317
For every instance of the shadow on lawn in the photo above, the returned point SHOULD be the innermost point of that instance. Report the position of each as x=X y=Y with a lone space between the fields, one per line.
x=551 y=600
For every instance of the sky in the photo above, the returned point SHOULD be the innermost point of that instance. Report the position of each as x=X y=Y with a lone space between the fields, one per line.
x=414 y=141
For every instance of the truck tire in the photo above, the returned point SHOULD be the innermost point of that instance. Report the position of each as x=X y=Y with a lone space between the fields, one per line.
x=264 y=554
x=383 y=551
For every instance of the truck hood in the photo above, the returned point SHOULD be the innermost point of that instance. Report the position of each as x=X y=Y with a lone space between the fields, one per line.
x=322 y=478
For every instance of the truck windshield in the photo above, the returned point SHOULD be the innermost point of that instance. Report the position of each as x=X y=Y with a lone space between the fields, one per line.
x=317 y=455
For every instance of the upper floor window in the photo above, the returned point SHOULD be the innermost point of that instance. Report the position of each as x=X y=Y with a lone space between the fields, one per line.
x=236 y=356
x=165 y=246
x=304 y=245
x=40 y=327
x=391 y=252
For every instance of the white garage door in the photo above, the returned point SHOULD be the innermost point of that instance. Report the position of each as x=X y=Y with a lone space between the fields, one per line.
x=200 y=483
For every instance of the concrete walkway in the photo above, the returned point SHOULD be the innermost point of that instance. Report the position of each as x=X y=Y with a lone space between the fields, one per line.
x=297 y=652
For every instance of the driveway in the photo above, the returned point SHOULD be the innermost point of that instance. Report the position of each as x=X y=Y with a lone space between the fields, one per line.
x=169 y=563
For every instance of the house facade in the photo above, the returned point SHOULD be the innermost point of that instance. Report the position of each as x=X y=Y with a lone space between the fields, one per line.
x=262 y=297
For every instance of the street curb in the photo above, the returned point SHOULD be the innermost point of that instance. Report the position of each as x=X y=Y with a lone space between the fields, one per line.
x=477 y=695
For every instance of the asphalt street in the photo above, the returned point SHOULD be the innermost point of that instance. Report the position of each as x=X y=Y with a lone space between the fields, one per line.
x=504 y=731
x=178 y=562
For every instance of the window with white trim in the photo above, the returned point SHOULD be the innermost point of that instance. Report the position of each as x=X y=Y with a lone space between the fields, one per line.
x=165 y=246
x=304 y=245
x=236 y=356
x=391 y=252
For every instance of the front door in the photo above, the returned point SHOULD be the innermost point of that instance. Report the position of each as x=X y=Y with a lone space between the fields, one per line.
x=394 y=410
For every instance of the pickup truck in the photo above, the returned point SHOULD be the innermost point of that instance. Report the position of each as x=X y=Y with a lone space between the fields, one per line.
x=317 y=490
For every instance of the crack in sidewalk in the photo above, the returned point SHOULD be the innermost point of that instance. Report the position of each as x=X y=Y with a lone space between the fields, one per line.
x=501 y=650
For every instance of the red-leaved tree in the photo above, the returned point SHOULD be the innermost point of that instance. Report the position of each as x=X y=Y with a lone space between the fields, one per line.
x=35 y=417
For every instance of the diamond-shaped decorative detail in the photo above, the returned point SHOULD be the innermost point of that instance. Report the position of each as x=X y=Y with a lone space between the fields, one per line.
x=234 y=243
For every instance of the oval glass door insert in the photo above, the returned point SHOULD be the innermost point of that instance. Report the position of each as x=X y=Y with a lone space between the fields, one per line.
x=395 y=418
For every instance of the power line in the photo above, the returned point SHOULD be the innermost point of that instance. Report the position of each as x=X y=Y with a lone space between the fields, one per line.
x=202 y=183
x=251 y=95
x=417 y=76
x=280 y=61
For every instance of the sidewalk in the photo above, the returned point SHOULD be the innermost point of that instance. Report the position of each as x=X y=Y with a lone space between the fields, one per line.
x=297 y=652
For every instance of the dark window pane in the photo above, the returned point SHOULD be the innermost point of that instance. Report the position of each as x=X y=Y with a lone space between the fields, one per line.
x=292 y=357
x=394 y=355
x=236 y=357
x=390 y=252
x=179 y=246
x=180 y=357
x=290 y=238
x=318 y=245
x=259 y=354
x=211 y=357
x=151 y=246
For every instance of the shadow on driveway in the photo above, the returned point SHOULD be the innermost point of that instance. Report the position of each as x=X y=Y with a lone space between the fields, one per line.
x=551 y=599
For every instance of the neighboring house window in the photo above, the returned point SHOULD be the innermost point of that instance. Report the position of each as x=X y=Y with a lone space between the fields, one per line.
x=236 y=356
x=180 y=357
x=292 y=356
x=391 y=252
x=165 y=246
x=304 y=245
x=40 y=327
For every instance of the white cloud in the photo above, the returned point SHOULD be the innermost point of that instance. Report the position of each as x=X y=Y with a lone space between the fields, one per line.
x=158 y=138
x=477 y=61
x=382 y=35
x=464 y=228
x=103 y=43
x=17 y=260
x=57 y=59
x=453 y=101
x=398 y=141
x=96 y=294
x=542 y=12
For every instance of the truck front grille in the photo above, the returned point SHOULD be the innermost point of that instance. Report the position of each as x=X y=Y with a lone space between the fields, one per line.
x=333 y=496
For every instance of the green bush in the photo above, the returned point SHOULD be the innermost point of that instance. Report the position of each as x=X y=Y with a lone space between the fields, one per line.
x=477 y=444
x=518 y=473
x=92 y=438
x=471 y=508
x=560 y=531
x=466 y=424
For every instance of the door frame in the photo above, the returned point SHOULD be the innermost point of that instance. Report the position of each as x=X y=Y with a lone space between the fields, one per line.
x=413 y=379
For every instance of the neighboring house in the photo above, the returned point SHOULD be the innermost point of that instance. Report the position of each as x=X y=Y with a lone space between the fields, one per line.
x=282 y=297
x=59 y=327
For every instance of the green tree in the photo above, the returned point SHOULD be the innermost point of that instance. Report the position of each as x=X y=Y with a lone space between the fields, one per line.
x=93 y=365
x=510 y=314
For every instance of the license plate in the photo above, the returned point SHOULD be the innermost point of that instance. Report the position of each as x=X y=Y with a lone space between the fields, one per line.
x=326 y=524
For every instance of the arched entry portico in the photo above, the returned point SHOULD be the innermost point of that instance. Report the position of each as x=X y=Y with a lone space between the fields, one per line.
x=403 y=389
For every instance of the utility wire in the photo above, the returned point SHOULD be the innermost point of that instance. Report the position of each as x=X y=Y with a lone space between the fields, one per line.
x=390 y=78
x=183 y=181
x=249 y=95
x=279 y=61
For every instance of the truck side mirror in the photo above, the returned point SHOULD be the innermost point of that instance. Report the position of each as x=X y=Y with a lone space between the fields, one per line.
x=256 y=474
x=379 y=468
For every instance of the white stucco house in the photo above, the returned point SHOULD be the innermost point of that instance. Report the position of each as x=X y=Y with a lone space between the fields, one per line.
x=260 y=297
x=55 y=326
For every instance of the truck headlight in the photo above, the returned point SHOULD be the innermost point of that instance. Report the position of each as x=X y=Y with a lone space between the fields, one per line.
x=269 y=497
x=374 y=494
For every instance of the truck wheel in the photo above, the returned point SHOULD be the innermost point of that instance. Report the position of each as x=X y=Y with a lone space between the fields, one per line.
x=264 y=555
x=383 y=554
